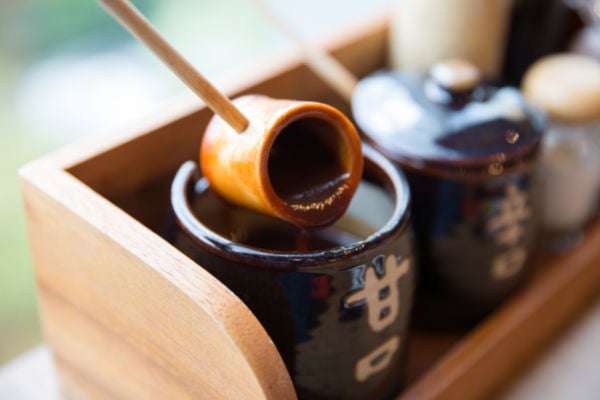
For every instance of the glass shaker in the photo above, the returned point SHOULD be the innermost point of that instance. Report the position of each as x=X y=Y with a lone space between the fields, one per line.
x=567 y=88
x=469 y=150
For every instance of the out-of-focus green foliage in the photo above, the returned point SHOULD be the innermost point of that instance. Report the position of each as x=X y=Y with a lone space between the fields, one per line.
x=30 y=29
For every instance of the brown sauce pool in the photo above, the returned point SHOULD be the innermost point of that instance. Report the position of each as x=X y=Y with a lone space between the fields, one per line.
x=305 y=168
x=261 y=231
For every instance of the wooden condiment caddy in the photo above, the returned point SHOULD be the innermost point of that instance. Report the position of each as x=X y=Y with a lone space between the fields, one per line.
x=129 y=316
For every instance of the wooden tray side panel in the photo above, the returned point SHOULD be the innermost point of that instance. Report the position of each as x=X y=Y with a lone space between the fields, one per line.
x=149 y=156
x=117 y=301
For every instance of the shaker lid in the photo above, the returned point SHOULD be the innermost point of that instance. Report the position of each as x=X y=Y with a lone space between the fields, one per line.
x=446 y=120
x=455 y=75
x=565 y=86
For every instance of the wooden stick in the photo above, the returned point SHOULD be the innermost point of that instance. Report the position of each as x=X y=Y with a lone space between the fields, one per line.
x=130 y=17
x=334 y=73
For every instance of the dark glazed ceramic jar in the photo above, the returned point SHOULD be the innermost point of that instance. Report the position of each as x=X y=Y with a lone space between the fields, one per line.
x=468 y=151
x=336 y=301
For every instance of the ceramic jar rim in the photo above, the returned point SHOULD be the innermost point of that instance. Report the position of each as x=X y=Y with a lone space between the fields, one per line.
x=375 y=163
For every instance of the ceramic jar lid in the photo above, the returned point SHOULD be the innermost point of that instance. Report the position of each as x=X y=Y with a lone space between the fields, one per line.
x=565 y=86
x=447 y=121
x=455 y=75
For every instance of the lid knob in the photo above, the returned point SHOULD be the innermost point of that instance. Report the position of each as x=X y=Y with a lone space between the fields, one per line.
x=565 y=86
x=455 y=75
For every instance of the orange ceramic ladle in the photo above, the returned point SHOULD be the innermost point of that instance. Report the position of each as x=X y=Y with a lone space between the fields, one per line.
x=298 y=161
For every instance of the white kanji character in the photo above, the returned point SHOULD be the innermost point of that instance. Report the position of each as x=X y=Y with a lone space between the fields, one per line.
x=508 y=263
x=381 y=294
x=376 y=360
x=513 y=210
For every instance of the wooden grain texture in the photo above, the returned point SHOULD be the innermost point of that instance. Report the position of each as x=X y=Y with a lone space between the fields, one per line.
x=567 y=370
x=117 y=300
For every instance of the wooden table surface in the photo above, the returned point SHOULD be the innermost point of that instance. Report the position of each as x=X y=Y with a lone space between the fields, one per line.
x=569 y=370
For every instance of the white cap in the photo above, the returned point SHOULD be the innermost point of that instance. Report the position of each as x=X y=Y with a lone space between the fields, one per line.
x=565 y=86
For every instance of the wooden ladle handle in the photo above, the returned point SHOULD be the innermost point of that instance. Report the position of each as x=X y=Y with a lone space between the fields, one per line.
x=140 y=27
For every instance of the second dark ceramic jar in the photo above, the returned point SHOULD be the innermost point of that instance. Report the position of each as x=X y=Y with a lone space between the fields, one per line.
x=468 y=151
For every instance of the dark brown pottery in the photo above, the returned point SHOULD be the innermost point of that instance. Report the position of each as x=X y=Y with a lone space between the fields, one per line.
x=336 y=301
x=468 y=155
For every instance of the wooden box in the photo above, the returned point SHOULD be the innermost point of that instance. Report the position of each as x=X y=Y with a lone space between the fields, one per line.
x=128 y=316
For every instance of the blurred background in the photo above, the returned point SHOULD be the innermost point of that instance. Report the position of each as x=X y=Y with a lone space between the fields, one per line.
x=68 y=71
